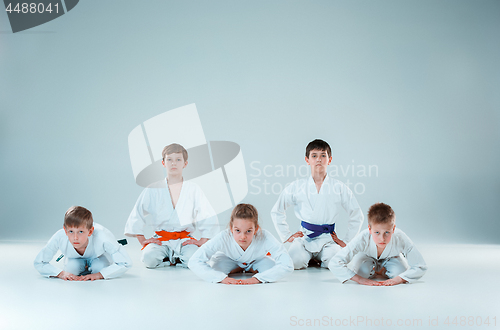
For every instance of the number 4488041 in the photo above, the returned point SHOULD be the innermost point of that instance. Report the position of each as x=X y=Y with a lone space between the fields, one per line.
x=32 y=8
x=471 y=321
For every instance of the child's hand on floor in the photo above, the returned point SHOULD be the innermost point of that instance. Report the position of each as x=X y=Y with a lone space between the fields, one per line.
x=393 y=281
x=365 y=281
x=91 y=277
x=229 y=280
x=67 y=276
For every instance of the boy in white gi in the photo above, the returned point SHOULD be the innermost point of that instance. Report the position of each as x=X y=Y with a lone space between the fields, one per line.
x=91 y=251
x=243 y=246
x=382 y=250
x=175 y=209
x=317 y=202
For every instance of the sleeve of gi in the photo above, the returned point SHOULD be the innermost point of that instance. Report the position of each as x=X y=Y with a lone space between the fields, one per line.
x=350 y=204
x=284 y=264
x=137 y=218
x=198 y=263
x=119 y=257
x=204 y=216
x=278 y=212
x=42 y=260
x=415 y=261
x=338 y=263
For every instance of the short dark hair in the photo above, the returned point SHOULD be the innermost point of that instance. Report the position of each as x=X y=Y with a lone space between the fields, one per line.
x=318 y=145
x=77 y=216
x=380 y=213
x=174 y=148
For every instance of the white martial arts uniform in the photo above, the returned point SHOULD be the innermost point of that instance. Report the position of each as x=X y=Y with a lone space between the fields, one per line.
x=193 y=211
x=316 y=208
x=265 y=255
x=400 y=258
x=103 y=254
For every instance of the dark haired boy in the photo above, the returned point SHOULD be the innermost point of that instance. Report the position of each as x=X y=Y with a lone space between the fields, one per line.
x=382 y=250
x=317 y=201
x=91 y=251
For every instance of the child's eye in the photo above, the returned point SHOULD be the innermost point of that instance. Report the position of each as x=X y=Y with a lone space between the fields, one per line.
x=81 y=232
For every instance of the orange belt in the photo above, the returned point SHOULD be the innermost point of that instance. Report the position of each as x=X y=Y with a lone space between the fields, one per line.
x=168 y=235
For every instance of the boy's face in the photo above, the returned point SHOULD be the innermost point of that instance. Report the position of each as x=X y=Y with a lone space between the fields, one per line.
x=381 y=233
x=318 y=160
x=78 y=236
x=174 y=163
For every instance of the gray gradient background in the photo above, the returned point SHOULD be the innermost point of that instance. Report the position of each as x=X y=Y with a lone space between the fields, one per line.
x=409 y=86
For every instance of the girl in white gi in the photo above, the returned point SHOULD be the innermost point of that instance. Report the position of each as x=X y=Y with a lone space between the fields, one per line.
x=317 y=202
x=244 y=246
x=174 y=209
x=380 y=250
x=91 y=251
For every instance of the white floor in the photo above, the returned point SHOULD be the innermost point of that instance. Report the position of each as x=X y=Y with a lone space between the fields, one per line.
x=463 y=281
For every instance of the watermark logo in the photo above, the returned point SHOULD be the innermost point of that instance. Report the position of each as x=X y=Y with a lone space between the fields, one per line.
x=216 y=166
x=25 y=15
x=264 y=177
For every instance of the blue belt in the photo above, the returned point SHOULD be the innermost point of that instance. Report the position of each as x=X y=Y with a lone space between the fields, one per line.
x=318 y=229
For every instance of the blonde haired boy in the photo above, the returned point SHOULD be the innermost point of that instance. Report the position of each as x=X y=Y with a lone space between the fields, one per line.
x=381 y=250
x=174 y=209
x=91 y=251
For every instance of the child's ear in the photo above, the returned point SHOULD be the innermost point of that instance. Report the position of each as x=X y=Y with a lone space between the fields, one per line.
x=91 y=231
x=185 y=164
x=394 y=228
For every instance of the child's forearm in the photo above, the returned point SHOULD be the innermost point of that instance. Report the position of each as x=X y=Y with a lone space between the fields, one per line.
x=141 y=239
x=202 y=241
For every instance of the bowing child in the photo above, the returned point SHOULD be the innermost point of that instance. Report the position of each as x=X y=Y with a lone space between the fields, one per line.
x=381 y=250
x=244 y=246
x=91 y=251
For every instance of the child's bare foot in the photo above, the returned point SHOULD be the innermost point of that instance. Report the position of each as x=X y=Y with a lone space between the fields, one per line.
x=381 y=273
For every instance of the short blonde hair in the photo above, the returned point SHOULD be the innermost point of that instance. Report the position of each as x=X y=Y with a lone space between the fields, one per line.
x=77 y=216
x=173 y=149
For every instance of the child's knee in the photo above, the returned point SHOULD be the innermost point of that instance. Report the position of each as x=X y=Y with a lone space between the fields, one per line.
x=299 y=255
x=187 y=252
x=366 y=268
x=300 y=260
x=222 y=263
x=96 y=265
x=151 y=257
x=263 y=264
x=395 y=266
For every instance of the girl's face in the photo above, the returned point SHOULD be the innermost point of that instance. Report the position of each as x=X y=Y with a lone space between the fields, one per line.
x=243 y=232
